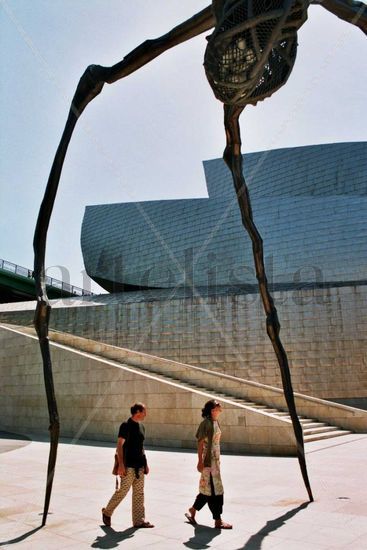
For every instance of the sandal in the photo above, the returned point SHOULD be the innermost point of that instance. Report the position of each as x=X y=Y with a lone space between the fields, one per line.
x=143 y=525
x=222 y=525
x=106 y=519
x=190 y=518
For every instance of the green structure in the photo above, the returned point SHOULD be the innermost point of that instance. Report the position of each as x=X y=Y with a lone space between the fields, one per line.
x=17 y=285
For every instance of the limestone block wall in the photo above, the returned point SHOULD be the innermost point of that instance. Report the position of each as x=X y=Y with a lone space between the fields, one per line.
x=323 y=330
x=94 y=397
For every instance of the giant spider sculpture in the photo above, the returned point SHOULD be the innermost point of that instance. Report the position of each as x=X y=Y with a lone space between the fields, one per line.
x=249 y=56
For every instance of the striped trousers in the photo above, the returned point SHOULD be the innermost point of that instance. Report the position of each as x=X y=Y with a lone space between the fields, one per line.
x=137 y=484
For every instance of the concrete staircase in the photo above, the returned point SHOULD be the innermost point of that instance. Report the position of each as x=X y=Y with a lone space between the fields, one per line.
x=320 y=419
x=313 y=429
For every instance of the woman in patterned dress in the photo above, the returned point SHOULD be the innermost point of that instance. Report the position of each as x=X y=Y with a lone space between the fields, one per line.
x=210 y=485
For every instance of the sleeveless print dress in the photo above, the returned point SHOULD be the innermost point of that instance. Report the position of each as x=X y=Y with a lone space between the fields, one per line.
x=214 y=469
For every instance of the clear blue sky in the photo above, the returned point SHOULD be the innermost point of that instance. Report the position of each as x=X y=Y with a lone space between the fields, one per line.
x=144 y=137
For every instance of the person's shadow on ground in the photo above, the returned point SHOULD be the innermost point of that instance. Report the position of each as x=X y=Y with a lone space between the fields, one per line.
x=202 y=537
x=255 y=541
x=112 y=538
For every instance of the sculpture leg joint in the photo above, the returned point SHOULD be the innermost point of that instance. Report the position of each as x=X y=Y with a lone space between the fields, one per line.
x=272 y=324
x=41 y=318
x=89 y=86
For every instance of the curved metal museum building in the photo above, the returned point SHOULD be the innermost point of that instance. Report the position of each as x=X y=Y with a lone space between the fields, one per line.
x=309 y=204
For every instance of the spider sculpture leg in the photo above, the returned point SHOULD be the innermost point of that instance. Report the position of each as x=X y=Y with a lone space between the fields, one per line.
x=41 y=323
x=90 y=85
x=233 y=158
x=351 y=11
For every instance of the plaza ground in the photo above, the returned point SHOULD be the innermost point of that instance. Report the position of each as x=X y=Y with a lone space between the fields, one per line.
x=264 y=499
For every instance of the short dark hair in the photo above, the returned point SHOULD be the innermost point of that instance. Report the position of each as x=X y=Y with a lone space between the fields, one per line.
x=208 y=407
x=137 y=407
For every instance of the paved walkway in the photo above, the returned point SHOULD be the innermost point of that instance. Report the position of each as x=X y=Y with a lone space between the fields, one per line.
x=264 y=498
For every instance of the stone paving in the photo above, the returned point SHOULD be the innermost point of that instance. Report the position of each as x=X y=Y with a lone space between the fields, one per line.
x=264 y=499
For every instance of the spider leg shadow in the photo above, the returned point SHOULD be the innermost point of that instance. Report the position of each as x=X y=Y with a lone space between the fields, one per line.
x=255 y=541
x=21 y=537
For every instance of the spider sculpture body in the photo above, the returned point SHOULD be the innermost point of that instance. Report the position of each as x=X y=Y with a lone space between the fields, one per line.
x=248 y=57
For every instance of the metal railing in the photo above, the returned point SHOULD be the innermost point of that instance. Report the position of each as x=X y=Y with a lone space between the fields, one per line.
x=50 y=281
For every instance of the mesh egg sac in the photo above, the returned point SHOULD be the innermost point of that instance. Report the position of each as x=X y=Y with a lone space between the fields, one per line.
x=253 y=48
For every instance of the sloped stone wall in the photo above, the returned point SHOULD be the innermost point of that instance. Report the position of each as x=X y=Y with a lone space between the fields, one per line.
x=94 y=397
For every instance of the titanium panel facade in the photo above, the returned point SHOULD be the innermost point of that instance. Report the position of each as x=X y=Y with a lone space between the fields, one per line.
x=309 y=205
